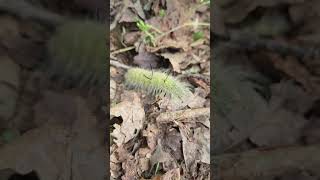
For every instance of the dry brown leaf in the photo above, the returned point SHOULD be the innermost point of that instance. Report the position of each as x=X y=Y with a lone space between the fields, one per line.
x=172 y=141
x=160 y=156
x=277 y=127
x=151 y=133
x=55 y=108
x=9 y=84
x=270 y=162
x=146 y=60
x=198 y=149
x=128 y=16
x=130 y=167
x=175 y=60
x=9 y=71
x=133 y=117
x=182 y=43
x=311 y=132
x=197 y=100
x=138 y=7
x=173 y=174
x=291 y=97
x=236 y=11
x=61 y=150
x=202 y=136
x=292 y=67
x=42 y=150
x=9 y=30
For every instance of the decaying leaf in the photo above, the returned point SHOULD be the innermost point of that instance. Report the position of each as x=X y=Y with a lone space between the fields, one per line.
x=175 y=60
x=277 y=127
x=198 y=149
x=173 y=174
x=133 y=117
x=146 y=60
x=160 y=156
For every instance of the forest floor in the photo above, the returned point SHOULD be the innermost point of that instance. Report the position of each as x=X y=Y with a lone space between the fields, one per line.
x=268 y=126
x=49 y=129
x=151 y=136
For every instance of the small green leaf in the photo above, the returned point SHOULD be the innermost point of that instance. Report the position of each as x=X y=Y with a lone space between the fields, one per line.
x=162 y=13
x=198 y=35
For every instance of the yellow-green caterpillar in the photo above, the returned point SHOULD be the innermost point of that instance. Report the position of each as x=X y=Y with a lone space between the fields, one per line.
x=77 y=53
x=157 y=83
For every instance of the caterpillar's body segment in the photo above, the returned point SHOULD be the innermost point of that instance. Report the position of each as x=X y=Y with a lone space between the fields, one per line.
x=156 y=83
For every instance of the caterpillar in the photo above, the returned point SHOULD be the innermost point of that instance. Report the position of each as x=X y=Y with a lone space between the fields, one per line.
x=77 y=53
x=156 y=83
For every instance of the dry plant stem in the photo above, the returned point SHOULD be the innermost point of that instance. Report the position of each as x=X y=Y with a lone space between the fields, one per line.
x=268 y=163
x=182 y=26
x=182 y=115
x=122 y=50
x=119 y=65
x=25 y=10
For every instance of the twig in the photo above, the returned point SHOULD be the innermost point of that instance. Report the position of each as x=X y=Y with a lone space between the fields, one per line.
x=119 y=65
x=182 y=26
x=121 y=50
x=182 y=115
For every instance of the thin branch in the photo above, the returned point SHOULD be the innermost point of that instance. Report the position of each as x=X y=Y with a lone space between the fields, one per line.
x=119 y=65
x=182 y=26
x=122 y=50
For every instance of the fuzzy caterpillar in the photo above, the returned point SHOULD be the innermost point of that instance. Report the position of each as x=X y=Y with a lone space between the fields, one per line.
x=156 y=83
x=77 y=53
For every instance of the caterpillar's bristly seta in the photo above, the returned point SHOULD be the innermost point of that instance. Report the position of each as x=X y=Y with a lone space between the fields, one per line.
x=156 y=83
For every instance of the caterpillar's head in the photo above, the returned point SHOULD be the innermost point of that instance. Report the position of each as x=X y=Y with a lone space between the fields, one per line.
x=77 y=54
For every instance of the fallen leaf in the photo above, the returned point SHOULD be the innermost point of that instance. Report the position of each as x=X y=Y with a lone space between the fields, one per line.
x=8 y=101
x=151 y=133
x=173 y=174
x=146 y=60
x=198 y=149
x=61 y=150
x=172 y=141
x=40 y=150
x=9 y=71
x=55 y=108
x=291 y=97
x=276 y=126
x=202 y=136
x=160 y=156
x=139 y=9
x=236 y=11
x=175 y=60
x=133 y=117
x=131 y=37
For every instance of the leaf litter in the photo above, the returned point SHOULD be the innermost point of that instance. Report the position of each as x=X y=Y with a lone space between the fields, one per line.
x=50 y=130
x=266 y=109
x=172 y=135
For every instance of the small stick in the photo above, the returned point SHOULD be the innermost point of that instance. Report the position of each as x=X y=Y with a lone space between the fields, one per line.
x=119 y=65
x=182 y=115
